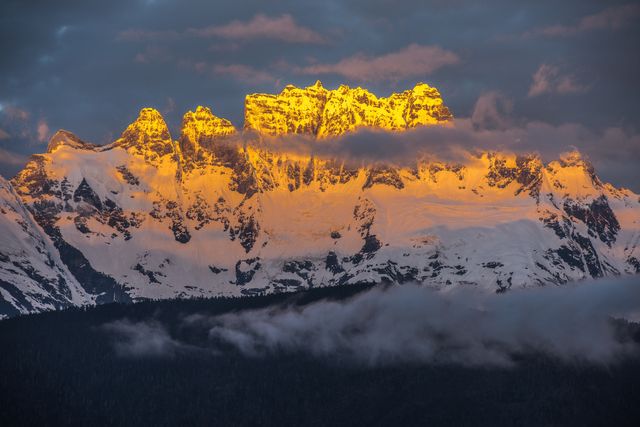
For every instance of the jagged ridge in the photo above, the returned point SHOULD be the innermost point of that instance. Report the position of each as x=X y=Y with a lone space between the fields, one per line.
x=317 y=111
x=150 y=217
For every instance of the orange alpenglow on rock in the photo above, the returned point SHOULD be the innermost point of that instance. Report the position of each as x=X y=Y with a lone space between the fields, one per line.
x=148 y=135
x=200 y=129
x=321 y=112
x=65 y=138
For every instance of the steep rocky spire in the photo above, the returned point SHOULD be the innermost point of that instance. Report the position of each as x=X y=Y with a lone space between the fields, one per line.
x=148 y=135
x=317 y=111
x=201 y=129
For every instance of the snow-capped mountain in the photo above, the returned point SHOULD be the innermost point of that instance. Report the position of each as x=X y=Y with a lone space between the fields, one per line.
x=148 y=216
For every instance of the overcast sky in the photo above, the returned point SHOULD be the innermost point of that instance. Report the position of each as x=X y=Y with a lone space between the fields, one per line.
x=90 y=66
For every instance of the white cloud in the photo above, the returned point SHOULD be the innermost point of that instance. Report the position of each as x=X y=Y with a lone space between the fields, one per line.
x=409 y=323
x=413 y=323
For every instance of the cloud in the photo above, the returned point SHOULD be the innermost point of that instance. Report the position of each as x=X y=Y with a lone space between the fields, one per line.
x=43 y=130
x=243 y=73
x=282 y=28
x=411 y=61
x=239 y=72
x=153 y=54
x=415 y=324
x=170 y=106
x=547 y=79
x=15 y=114
x=138 y=35
x=10 y=158
x=142 y=339
x=612 y=18
x=613 y=151
x=409 y=323
x=21 y=127
x=491 y=111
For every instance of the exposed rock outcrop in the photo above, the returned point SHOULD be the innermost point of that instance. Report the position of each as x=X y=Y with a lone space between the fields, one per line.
x=147 y=136
x=317 y=111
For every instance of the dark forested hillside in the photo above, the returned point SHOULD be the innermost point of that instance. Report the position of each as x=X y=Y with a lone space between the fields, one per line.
x=61 y=368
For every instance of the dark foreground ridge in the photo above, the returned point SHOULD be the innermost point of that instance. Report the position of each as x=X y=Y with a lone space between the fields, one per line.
x=60 y=368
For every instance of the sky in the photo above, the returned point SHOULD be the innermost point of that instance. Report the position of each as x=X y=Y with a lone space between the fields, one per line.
x=568 y=67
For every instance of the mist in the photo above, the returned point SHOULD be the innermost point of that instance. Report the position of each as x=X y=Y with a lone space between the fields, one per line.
x=416 y=324
x=610 y=150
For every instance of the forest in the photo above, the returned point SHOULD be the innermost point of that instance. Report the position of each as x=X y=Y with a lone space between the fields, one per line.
x=61 y=368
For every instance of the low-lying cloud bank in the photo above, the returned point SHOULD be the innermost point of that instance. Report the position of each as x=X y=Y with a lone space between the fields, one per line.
x=410 y=323
x=142 y=339
x=612 y=151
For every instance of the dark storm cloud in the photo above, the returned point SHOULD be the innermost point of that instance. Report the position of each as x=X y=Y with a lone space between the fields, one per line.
x=410 y=323
x=89 y=66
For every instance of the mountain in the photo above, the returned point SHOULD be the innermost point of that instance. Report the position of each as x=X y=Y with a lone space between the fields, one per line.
x=321 y=112
x=215 y=212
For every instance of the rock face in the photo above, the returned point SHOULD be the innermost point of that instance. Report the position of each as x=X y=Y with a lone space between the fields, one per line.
x=203 y=216
x=64 y=137
x=317 y=111
x=148 y=135
x=200 y=130
x=32 y=276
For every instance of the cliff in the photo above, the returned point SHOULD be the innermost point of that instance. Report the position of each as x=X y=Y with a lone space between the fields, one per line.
x=321 y=112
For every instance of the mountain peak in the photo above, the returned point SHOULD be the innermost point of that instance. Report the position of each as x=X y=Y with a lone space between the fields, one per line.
x=148 y=135
x=64 y=137
x=573 y=158
x=201 y=128
x=576 y=159
x=317 y=111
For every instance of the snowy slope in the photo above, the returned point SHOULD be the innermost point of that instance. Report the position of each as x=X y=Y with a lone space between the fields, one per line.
x=152 y=217
x=32 y=276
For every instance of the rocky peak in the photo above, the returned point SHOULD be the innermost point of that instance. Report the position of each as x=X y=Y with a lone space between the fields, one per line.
x=317 y=111
x=64 y=137
x=574 y=159
x=292 y=111
x=573 y=166
x=200 y=129
x=148 y=135
x=425 y=107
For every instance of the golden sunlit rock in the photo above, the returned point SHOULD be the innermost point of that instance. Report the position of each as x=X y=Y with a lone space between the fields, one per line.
x=202 y=128
x=64 y=137
x=148 y=135
x=318 y=111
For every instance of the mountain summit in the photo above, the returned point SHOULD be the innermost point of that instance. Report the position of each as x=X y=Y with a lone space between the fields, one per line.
x=317 y=111
x=201 y=128
x=149 y=217
x=148 y=135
